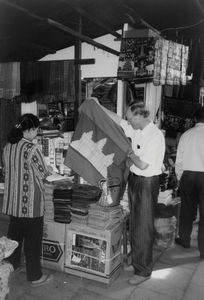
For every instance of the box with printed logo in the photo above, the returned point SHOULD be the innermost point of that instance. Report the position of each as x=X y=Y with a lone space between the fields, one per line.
x=53 y=247
x=94 y=251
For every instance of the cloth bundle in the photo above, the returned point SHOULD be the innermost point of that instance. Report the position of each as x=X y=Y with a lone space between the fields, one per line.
x=83 y=195
x=7 y=247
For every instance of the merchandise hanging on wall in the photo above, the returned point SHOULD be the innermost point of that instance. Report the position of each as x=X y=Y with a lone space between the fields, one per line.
x=136 y=59
x=9 y=80
x=47 y=81
x=153 y=59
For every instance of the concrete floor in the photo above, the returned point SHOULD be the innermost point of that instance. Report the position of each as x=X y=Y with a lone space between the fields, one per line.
x=178 y=274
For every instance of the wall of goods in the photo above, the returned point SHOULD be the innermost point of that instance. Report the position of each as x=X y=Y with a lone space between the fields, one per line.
x=50 y=84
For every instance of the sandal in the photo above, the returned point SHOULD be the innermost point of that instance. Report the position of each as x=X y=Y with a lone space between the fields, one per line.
x=43 y=280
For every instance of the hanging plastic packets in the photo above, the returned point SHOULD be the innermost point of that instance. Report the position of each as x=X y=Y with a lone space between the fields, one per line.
x=165 y=230
x=105 y=199
x=110 y=191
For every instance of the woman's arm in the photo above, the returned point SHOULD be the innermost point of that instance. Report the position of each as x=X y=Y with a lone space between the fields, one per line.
x=39 y=163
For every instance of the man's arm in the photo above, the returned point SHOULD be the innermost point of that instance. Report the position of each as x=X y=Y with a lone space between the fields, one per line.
x=137 y=161
x=179 y=159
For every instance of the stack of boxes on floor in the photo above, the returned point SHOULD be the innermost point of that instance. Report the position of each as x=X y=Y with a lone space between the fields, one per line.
x=74 y=241
x=167 y=208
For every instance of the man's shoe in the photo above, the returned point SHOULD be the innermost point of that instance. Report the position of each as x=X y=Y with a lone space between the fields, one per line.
x=181 y=243
x=136 y=279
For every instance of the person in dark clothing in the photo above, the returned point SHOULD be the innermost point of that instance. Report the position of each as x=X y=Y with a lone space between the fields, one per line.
x=189 y=169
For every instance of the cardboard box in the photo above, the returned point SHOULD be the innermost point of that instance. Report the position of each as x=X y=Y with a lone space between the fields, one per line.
x=53 y=247
x=93 y=251
x=108 y=279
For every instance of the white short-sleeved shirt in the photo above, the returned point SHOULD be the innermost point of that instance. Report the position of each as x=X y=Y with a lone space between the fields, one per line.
x=149 y=145
x=190 y=152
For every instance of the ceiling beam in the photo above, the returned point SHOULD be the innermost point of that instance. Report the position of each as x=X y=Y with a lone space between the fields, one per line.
x=62 y=27
x=96 y=21
x=81 y=36
x=134 y=18
x=28 y=43
x=85 y=61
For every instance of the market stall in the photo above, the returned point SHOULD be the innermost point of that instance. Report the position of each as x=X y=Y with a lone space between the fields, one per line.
x=83 y=232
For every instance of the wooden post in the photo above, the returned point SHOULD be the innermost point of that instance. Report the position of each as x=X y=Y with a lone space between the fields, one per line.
x=77 y=82
x=77 y=56
x=121 y=97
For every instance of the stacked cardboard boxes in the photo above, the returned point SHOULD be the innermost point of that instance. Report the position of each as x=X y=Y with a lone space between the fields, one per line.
x=82 y=250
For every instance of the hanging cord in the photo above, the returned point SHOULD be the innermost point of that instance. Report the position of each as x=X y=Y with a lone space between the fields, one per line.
x=183 y=27
x=200 y=6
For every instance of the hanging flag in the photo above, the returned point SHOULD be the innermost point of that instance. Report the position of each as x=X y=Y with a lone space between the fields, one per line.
x=98 y=148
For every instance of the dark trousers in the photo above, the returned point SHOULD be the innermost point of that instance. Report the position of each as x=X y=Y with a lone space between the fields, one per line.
x=28 y=231
x=192 y=194
x=143 y=194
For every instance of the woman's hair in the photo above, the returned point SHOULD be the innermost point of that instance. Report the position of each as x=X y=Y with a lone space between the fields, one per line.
x=138 y=108
x=26 y=122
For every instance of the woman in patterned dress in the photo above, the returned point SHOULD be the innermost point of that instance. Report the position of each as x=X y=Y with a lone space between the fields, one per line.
x=25 y=171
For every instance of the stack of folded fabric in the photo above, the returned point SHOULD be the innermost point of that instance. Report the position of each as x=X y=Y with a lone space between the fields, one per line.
x=104 y=217
x=62 y=199
x=83 y=195
x=79 y=213
x=49 y=206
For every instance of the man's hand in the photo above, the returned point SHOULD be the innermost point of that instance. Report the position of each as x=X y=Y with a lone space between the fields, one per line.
x=128 y=162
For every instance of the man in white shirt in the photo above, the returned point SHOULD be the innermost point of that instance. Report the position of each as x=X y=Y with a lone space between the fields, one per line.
x=189 y=169
x=148 y=148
